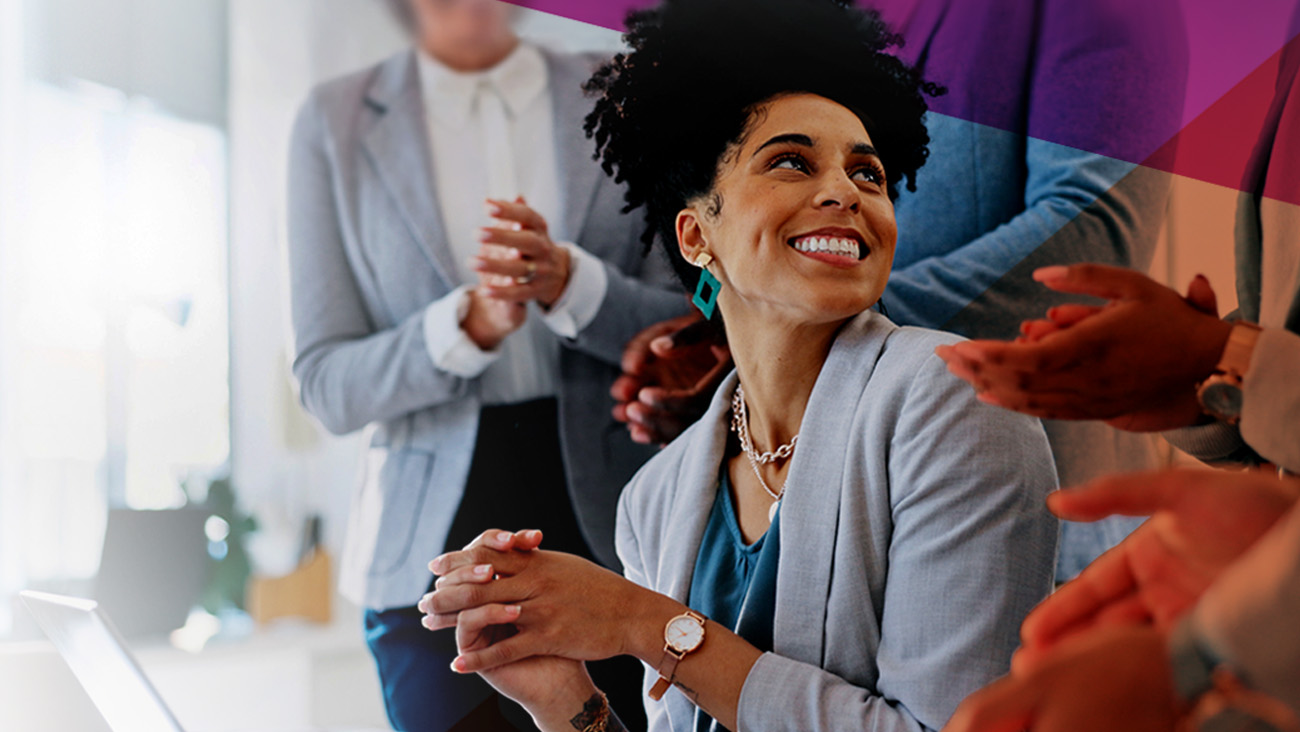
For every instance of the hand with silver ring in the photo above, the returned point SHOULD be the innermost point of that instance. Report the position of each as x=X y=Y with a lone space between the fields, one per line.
x=518 y=262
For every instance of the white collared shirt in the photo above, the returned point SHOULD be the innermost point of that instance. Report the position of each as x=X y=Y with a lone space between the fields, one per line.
x=526 y=364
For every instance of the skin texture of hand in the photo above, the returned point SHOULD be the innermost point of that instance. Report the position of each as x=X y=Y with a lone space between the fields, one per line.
x=490 y=320
x=1108 y=680
x=1201 y=522
x=1134 y=363
x=568 y=605
x=670 y=371
x=551 y=688
x=519 y=245
x=572 y=608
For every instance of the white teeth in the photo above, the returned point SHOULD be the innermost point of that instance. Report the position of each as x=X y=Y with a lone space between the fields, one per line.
x=827 y=245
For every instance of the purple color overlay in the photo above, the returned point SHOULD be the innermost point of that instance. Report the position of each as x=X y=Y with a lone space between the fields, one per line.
x=1178 y=58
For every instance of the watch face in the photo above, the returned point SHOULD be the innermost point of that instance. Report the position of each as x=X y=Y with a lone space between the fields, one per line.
x=684 y=633
x=1221 y=399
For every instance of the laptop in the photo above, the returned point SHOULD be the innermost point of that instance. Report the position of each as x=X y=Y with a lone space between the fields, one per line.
x=99 y=658
x=153 y=569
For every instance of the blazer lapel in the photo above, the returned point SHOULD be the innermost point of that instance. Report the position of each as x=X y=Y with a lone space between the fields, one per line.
x=398 y=147
x=579 y=174
x=811 y=506
x=697 y=489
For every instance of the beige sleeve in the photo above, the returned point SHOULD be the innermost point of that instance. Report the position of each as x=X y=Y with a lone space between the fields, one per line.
x=1251 y=615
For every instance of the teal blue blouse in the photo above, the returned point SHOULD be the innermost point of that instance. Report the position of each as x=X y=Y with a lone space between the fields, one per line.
x=734 y=583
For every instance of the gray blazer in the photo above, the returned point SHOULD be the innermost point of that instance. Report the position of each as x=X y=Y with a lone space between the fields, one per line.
x=368 y=254
x=914 y=540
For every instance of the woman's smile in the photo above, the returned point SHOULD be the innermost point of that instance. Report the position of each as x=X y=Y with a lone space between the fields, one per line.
x=801 y=223
x=836 y=246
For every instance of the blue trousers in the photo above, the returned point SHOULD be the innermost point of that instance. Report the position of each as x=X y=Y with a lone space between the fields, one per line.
x=421 y=692
x=516 y=480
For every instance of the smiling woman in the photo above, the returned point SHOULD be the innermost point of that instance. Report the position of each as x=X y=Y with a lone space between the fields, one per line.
x=861 y=553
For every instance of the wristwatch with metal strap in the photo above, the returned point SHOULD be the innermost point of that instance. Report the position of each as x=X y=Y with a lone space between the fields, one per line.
x=1220 y=395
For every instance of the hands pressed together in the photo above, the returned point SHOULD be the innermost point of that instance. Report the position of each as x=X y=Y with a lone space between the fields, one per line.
x=517 y=263
x=526 y=619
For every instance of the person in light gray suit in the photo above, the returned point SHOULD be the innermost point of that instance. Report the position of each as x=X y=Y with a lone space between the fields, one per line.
x=848 y=539
x=482 y=357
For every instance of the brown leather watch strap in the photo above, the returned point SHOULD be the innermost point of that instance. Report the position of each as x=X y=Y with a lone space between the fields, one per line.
x=667 y=670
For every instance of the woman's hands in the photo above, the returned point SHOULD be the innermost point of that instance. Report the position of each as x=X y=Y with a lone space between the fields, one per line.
x=551 y=688
x=490 y=320
x=518 y=261
x=567 y=606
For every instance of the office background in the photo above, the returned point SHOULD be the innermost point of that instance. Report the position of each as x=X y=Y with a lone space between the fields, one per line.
x=144 y=338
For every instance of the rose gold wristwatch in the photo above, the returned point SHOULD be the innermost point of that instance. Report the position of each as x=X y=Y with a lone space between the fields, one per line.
x=682 y=635
x=1220 y=395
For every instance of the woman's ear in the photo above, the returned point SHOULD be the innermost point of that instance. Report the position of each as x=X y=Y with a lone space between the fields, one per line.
x=690 y=235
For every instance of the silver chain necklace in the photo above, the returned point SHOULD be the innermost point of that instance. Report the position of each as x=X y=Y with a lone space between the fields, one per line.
x=740 y=425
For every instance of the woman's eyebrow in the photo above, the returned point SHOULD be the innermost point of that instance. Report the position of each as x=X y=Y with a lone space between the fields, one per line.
x=792 y=138
x=862 y=148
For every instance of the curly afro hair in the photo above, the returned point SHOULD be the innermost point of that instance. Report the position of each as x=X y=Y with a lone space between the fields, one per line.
x=668 y=111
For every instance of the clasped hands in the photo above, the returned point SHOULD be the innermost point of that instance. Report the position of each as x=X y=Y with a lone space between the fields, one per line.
x=517 y=263
x=526 y=619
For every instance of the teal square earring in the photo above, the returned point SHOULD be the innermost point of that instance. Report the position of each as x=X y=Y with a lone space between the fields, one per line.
x=706 y=292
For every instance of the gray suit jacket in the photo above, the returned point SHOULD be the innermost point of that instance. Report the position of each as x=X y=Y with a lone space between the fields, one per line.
x=368 y=254
x=914 y=539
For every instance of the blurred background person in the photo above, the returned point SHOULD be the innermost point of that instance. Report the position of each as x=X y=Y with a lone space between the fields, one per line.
x=481 y=348
x=1035 y=149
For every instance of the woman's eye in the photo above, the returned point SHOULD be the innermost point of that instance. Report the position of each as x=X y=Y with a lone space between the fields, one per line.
x=870 y=174
x=790 y=162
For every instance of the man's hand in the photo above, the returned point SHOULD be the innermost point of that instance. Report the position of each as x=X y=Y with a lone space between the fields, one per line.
x=670 y=371
x=1202 y=521
x=1135 y=362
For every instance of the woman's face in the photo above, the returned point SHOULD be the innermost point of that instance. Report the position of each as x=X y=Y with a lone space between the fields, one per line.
x=463 y=29
x=805 y=231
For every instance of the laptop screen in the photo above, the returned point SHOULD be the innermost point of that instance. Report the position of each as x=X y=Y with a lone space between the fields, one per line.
x=101 y=662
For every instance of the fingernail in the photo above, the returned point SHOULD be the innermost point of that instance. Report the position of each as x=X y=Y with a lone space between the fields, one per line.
x=1056 y=272
x=427 y=622
x=493 y=209
x=534 y=534
x=458 y=665
x=513 y=610
x=484 y=234
x=504 y=537
x=483 y=570
x=436 y=565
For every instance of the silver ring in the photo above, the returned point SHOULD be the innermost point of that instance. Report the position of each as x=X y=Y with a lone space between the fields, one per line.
x=529 y=276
